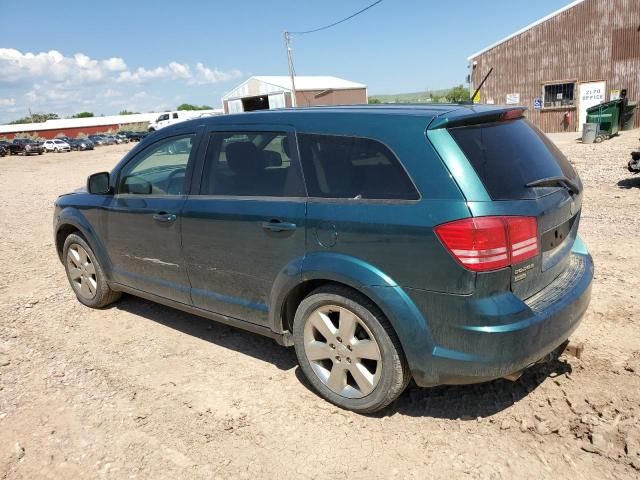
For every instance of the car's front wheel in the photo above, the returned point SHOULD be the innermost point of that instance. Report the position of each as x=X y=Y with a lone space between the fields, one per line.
x=85 y=274
x=348 y=350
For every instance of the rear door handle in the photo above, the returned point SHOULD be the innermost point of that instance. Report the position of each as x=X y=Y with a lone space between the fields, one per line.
x=278 y=226
x=164 y=217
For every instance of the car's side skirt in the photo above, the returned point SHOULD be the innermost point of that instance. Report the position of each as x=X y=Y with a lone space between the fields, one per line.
x=282 y=339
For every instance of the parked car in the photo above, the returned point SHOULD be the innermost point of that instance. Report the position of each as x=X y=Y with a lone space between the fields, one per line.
x=136 y=136
x=81 y=144
x=26 y=146
x=436 y=243
x=122 y=138
x=116 y=139
x=56 y=145
x=97 y=140
x=109 y=139
x=64 y=139
x=5 y=146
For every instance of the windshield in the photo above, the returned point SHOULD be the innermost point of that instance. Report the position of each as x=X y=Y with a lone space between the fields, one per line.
x=507 y=156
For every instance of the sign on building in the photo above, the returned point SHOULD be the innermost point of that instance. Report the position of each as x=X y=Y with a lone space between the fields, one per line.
x=513 y=98
x=591 y=94
x=537 y=103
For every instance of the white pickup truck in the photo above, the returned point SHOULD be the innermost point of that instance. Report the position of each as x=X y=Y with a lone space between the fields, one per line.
x=170 y=118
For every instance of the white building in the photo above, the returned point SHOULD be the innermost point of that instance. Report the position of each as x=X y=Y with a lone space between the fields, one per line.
x=268 y=92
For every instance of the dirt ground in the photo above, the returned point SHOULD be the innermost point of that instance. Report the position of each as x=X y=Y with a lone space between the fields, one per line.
x=143 y=391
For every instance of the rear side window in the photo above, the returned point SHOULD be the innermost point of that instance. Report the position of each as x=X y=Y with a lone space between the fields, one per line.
x=251 y=164
x=351 y=167
x=509 y=155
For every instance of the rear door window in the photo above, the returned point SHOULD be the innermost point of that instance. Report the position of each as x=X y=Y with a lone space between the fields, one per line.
x=251 y=164
x=509 y=155
x=351 y=167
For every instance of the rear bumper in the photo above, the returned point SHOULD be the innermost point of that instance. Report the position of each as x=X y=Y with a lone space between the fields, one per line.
x=481 y=339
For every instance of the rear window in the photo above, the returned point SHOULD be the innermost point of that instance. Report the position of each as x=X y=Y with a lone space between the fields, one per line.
x=352 y=167
x=509 y=155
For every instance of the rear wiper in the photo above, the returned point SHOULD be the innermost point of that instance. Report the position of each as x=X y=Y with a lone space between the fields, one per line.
x=563 y=182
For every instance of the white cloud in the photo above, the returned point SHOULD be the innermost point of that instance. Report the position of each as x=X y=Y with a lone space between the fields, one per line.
x=110 y=93
x=205 y=75
x=54 y=67
x=53 y=82
x=16 y=66
x=114 y=64
x=180 y=70
x=142 y=75
x=44 y=93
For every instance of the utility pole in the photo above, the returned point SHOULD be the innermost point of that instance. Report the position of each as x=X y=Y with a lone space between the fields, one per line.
x=287 y=42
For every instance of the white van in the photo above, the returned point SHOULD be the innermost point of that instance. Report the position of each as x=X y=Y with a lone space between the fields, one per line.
x=169 y=118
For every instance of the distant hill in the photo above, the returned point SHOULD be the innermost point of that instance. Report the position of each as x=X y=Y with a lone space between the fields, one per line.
x=415 y=97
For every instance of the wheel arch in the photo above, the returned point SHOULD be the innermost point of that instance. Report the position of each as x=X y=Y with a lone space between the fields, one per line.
x=72 y=221
x=318 y=269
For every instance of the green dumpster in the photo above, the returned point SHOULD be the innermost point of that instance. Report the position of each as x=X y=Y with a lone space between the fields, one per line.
x=629 y=116
x=607 y=116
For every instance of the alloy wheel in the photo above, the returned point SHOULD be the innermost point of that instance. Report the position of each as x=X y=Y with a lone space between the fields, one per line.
x=82 y=271
x=342 y=351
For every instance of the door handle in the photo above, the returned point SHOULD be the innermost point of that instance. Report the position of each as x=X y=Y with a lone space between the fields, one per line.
x=278 y=226
x=164 y=217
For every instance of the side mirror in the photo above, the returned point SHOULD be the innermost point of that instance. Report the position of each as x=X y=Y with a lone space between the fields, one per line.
x=98 y=183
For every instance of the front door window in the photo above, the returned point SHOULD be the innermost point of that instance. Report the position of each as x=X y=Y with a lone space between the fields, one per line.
x=159 y=170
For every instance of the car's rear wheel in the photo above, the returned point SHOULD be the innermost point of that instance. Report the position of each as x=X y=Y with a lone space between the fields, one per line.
x=85 y=274
x=348 y=350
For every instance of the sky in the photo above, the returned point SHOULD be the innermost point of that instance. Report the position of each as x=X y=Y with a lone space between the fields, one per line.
x=152 y=55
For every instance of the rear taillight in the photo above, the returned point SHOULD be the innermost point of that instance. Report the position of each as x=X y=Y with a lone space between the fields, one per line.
x=490 y=243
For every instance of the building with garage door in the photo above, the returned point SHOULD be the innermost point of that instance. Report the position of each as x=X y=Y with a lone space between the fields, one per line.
x=579 y=56
x=268 y=92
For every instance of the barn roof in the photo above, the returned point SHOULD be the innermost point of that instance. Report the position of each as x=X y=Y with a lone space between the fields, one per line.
x=528 y=27
x=282 y=83
x=311 y=82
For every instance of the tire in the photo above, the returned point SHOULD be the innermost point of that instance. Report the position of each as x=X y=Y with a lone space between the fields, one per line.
x=85 y=275
x=361 y=384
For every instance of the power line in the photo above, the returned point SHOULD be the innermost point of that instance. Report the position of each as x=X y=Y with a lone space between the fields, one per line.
x=287 y=40
x=338 y=22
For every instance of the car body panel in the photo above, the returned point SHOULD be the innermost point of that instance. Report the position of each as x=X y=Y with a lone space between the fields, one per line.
x=220 y=238
x=221 y=233
x=487 y=336
x=139 y=259
x=84 y=212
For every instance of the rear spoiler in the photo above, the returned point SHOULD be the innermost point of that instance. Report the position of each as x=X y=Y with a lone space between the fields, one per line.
x=464 y=117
